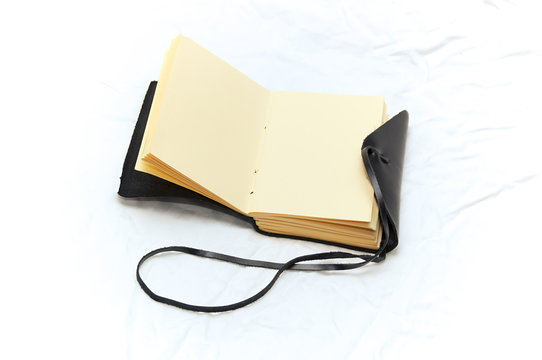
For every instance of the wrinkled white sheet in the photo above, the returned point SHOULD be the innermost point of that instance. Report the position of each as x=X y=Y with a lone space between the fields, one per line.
x=464 y=281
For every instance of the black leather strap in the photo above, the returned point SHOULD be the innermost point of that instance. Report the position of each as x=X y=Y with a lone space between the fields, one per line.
x=294 y=264
x=367 y=153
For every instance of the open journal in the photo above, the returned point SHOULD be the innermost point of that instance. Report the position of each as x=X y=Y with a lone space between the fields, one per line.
x=290 y=160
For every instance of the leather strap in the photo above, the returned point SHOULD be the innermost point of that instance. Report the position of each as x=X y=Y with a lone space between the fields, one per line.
x=366 y=153
x=293 y=264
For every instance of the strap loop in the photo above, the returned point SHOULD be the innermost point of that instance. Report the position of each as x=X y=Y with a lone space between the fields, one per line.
x=293 y=264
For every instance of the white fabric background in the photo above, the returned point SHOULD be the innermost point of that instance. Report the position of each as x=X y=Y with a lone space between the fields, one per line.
x=465 y=279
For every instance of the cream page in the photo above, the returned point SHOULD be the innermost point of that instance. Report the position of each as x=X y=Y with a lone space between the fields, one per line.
x=311 y=161
x=210 y=123
x=156 y=106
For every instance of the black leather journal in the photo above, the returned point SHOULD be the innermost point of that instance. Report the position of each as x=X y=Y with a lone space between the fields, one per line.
x=382 y=153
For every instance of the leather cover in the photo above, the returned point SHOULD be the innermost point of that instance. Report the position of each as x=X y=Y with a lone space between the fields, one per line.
x=387 y=143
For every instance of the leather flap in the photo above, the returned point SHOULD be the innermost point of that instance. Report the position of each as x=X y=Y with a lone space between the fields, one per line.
x=383 y=155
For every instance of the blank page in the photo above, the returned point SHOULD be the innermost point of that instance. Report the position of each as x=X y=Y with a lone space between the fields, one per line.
x=210 y=123
x=155 y=109
x=311 y=160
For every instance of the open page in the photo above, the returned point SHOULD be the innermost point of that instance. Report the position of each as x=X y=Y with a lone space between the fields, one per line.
x=210 y=123
x=311 y=161
x=155 y=109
